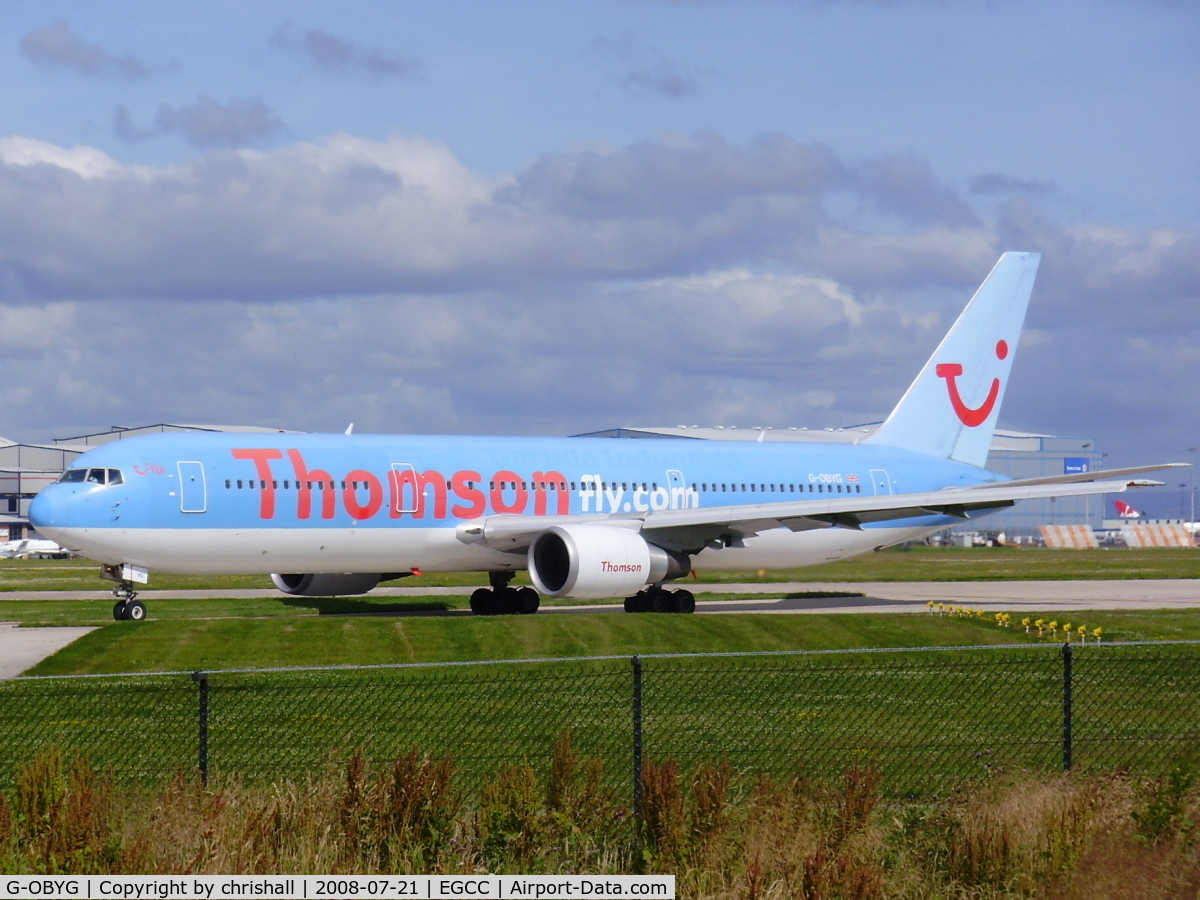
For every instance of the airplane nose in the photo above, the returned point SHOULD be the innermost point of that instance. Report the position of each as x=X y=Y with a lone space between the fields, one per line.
x=48 y=511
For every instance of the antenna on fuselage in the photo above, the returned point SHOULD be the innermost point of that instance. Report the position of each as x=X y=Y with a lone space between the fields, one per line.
x=350 y=430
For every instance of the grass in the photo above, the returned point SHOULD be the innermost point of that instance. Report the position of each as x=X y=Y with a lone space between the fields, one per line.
x=233 y=636
x=240 y=642
x=927 y=718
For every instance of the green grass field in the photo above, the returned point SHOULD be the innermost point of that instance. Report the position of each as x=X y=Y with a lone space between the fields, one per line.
x=236 y=641
x=953 y=714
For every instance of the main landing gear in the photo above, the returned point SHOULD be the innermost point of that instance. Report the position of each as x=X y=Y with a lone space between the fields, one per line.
x=127 y=608
x=655 y=599
x=502 y=600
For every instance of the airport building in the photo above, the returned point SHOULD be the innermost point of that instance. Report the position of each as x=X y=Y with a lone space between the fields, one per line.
x=26 y=468
x=1013 y=453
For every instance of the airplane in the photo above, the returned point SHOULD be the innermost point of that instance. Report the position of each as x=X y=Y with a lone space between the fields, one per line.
x=589 y=518
x=32 y=548
x=1125 y=511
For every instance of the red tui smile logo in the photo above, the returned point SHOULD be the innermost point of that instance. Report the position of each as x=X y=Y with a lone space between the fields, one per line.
x=972 y=418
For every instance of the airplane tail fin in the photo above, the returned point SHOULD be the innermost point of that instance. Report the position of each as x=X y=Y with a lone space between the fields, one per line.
x=1125 y=511
x=951 y=409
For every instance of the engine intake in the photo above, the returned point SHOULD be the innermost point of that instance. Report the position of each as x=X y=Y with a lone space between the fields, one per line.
x=594 y=562
x=326 y=585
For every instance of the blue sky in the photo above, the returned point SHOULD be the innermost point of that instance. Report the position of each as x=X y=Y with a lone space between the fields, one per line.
x=544 y=218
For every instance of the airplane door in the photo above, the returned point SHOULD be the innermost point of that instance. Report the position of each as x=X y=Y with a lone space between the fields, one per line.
x=883 y=484
x=406 y=487
x=677 y=488
x=193 y=492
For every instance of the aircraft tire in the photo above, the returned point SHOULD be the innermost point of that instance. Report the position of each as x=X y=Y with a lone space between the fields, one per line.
x=506 y=602
x=483 y=602
x=660 y=602
x=633 y=604
x=528 y=601
x=685 y=602
x=135 y=611
x=119 y=610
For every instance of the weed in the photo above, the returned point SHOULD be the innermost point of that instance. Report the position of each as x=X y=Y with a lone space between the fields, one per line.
x=1161 y=809
x=663 y=820
x=417 y=805
x=509 y=820
x=41 y=783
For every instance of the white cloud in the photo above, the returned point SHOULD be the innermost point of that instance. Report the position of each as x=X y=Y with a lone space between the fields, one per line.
x=681 y=280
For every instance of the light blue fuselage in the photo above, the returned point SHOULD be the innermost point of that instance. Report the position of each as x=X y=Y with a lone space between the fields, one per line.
x=341 y=503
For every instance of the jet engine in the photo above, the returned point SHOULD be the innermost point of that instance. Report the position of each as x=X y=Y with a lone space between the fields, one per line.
x=592 y=562
x=326 y=585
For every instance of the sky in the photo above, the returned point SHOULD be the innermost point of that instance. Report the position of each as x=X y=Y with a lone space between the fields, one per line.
x=547 y=218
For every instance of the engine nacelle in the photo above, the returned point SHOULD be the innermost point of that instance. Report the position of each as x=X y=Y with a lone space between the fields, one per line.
x=326 y=585
x=594 y=562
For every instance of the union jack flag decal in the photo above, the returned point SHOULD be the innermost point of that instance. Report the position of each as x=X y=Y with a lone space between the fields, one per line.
x=852 y=479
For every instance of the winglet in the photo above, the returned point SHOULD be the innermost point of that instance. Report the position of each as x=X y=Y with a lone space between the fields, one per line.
x=950 y=410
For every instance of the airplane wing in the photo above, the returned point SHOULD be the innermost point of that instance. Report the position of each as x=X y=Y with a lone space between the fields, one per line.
x=696 y=528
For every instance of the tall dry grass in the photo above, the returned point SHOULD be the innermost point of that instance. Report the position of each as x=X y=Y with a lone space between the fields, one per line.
x=724 y=834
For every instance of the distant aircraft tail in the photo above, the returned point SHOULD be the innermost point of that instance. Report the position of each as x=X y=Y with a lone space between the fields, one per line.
x=952 y=407
x=1125 y=511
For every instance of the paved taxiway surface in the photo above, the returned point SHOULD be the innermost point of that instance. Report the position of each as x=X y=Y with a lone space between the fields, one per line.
x=21 y=648
x=892 y=596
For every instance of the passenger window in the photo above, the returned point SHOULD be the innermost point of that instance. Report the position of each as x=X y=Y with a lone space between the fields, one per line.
x=239 y=484
x=227 y=484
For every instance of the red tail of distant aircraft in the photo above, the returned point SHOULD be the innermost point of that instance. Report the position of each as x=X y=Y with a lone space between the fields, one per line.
x=1125 y=511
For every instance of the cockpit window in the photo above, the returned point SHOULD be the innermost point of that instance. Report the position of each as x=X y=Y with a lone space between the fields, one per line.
x=92 y=476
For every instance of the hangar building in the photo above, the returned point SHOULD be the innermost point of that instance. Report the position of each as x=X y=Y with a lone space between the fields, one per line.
x=1013 y=453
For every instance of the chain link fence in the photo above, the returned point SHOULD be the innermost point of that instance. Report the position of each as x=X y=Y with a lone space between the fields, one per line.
x=926 y=718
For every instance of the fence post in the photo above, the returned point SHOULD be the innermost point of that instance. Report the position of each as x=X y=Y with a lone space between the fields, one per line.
x=1067 y=690
x=201 y=678
x=637 y=740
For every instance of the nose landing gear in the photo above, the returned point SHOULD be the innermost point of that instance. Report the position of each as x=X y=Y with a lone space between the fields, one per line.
x=127 y=608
